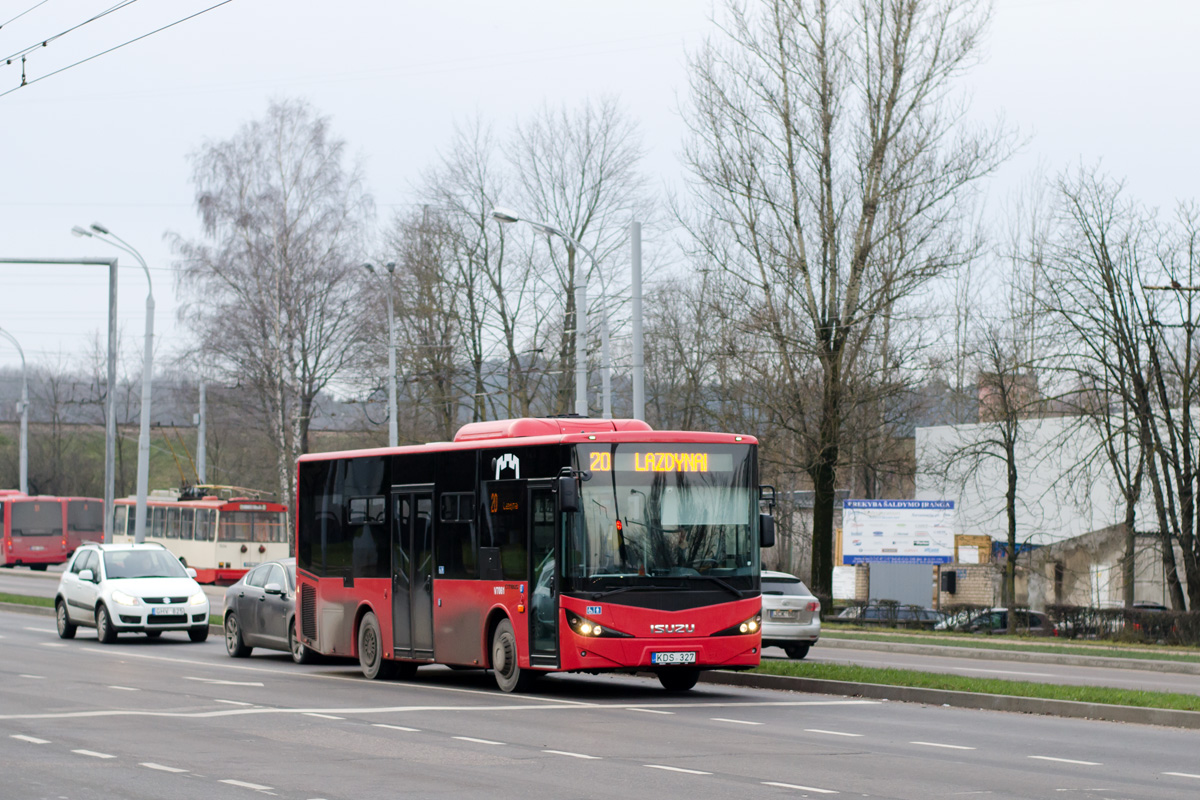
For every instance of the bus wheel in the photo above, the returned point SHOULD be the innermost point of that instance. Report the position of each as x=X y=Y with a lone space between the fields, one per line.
x=105 y=631
x=66 y=628
x=678 y=679
x=38 y=567
x=370 y=649
x=509 y=675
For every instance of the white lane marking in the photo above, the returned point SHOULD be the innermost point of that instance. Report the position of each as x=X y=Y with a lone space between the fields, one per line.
x=801 y=788
x=737 y=721
x=233 y=702
x=676 y=769
x=125 y=688
x=947 y=746
x=322 y=716
x=35 y=740
x=651 y=711
x=216 y=682
x=52 y=644
x=831 y=733
x=1068 y=761
x=572 y=755
x=39 y=630
x=395 y=727
x=258 y=787
x=34 y=677
x=1005 y=672
x=478 y=741
x=160 y=767
x=92 y=753
x=1173 y=774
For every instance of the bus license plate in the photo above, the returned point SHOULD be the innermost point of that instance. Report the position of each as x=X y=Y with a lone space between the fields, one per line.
x=166 y=611
x=37 y=547
x=673 y=658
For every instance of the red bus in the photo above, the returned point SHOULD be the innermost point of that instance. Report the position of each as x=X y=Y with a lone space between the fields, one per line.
x=83 y=520
x=219 y=538
x=530 y=546
x=32 y=531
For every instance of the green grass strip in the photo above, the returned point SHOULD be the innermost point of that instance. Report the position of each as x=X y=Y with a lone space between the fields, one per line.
x=24 y=600
x=1024 y=644
x=958 y=683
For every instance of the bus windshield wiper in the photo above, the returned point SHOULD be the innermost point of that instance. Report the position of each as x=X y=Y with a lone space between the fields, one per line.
x=724 y=584
x=618 y=590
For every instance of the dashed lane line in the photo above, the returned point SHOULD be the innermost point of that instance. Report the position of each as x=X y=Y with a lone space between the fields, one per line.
x=395 y=727
x=31 y=739
x=258 y=787
x=1068 y=761
x=676 y=769
x=1182 y=775
x=832 y=733
x=160 y=767
x=218 y=682
x=52 y=644
x=93 y=754
x=940 y=744
x=233 y=702
x=477 y=741
x=651 y=711
x=125 y=688
x=32 y=677
x=572 y=755
x=737 y=721
x=321 y=716
x=799 y=788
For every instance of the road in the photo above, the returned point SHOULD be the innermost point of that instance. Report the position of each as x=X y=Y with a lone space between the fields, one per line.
x=168 y=718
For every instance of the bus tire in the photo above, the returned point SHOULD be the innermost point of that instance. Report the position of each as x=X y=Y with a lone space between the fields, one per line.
x=66 y=628
x=38 y=567
x=370 y=649
x=678 y=679
x=301 y=653
x=505 y=665
x=105 y=632
x=234 y=644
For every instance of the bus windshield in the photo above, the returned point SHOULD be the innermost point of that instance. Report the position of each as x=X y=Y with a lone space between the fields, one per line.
x=664 y=515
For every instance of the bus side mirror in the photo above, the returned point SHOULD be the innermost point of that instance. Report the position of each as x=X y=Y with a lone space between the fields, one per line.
x=766 y=530
x=568 y=493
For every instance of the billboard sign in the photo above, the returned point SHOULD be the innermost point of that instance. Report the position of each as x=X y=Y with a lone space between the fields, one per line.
x=898 y=531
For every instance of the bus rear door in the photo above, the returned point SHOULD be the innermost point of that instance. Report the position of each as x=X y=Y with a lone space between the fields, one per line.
x=543 y=575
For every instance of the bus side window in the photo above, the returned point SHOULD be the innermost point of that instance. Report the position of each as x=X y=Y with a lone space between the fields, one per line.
x=156 y=521
x=187 y=522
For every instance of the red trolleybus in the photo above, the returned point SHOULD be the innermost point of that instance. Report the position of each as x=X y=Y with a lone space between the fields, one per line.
x=220 y=539
x=83 y=520
x=535 y=545
x=32 y=530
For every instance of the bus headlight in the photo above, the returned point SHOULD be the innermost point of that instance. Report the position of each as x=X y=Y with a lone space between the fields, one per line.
x=122 y=599
x=586 y=627
x=744 y=628
x=198 y=599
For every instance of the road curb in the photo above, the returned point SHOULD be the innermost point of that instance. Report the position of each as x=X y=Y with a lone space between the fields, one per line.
x=1065 y=659
x=941 y=697
x=40 y=611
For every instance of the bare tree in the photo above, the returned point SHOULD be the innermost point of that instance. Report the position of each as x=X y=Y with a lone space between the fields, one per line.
x=827 y=145
x=270 y=286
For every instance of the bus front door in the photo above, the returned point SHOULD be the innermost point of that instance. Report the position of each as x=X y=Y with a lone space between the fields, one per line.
x=543 y=580
x=412 y=572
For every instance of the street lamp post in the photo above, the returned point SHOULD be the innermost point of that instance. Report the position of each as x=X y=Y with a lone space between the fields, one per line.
x=102 y=233
x=581 y=405
x=23 y=407
x=393 y=428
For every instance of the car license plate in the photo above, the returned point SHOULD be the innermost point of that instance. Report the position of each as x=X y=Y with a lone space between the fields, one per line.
x=37 y=547
x=783 y=613
x=673 y=658
x=166 y=611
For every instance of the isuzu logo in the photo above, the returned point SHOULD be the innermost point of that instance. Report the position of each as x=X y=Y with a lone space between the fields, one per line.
x=678 y=627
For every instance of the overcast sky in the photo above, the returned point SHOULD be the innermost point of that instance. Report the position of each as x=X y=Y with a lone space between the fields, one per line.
x=109 y=140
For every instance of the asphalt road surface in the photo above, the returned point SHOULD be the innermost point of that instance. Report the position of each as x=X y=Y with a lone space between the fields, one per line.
x=167 y=718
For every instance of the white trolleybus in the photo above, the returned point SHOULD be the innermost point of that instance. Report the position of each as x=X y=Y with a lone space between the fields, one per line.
x=220 y=538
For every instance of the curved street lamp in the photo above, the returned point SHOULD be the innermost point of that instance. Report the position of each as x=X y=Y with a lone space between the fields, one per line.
x=509 y=216
x=23 y=407
x=393 y=430
x=103 y=234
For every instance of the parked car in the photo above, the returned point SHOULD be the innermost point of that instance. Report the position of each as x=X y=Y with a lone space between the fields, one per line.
x=995 y=620
x=893 y=615
x=260 y=611
x=129 y=588
x=791 y=615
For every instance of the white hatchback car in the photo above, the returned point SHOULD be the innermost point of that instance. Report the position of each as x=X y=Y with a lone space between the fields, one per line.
x=791 y=615
x=129 y=588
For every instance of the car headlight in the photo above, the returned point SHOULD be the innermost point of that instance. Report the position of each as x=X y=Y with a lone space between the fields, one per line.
x=745 y=627
x=122 y=599
x=198 y=599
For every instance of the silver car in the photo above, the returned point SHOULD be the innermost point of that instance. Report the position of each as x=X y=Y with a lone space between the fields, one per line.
x=791 y=615
x=260 y=611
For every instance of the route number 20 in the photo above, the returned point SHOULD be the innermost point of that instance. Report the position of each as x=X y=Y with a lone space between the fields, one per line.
x=601 y=461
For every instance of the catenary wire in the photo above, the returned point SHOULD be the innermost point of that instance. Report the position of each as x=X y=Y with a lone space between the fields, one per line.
x=23 y=13
x=43 y=42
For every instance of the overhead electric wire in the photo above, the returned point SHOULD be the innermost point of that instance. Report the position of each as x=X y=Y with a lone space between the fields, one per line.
x=23 y=13
x=48 y=40
x=116 y=47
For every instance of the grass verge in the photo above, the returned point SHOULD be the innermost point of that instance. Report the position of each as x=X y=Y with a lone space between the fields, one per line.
x=1024 y=644
x=24 y=600
x=958 y=683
